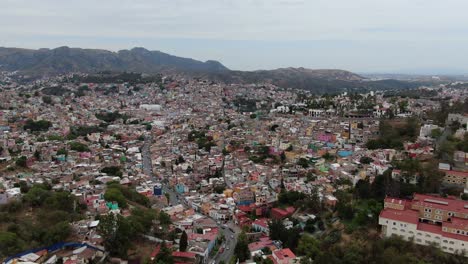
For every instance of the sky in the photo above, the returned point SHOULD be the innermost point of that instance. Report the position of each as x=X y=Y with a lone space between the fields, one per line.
x=366 y=36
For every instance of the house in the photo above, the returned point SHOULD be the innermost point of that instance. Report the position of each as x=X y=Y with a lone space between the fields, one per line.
x=261 y=225
x=278 y=213
x=456 y=178
x=284 y=256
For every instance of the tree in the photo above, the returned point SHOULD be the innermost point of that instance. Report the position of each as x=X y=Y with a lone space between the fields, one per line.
x=303 y=162
x=164 y=218
x=115 y=195
x=37 y=195
x=241 y=250
x=436 y=133
x=164 y=256
x=363 y=189
x=22 y=162
x=308 y=246
x=37 y=155
x=112 y=171
x=117 y=234
x=183 y=242
x=77 y=146
x=273 y=127
x=365 y=160
x=41 y=125
x=9 y=244
x=57 y=233
x=47 y=99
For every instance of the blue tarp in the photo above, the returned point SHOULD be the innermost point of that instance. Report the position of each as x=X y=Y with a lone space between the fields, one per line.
x=52 y=248
x=345 y=153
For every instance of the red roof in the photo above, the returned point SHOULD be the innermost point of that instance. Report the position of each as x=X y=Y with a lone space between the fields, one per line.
x=264 y=242
x=408 y=216
x=458 y=223
x=435 y=229
x=284 y=253
x=263 y=222
x=180 y=254
x=448 y=204
x=245 y=208
x=156 y=251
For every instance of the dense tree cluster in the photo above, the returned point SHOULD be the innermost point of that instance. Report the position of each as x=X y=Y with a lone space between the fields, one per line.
x=241 y=250
x=83 y=131
x=121 y=194
x=110 y=117
x=203 y=141
x=367 y=248
x=40 y=125
x=392 y=136
x=78 y=146
x=47 y=224
x=289 y=237
x=112 y=171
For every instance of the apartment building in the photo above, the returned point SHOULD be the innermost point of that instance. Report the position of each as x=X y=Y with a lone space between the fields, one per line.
x=428 y=220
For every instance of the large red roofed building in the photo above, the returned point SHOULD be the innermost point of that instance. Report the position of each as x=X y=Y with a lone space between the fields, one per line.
x=279 y=213
x=426 y=220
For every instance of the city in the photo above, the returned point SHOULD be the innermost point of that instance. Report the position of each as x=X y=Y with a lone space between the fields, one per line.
x=191 y=171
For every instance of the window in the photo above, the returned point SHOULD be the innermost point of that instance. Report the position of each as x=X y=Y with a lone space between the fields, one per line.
x=394 y=223
x=402 y=230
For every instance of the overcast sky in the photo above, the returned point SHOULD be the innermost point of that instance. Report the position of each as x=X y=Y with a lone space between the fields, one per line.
x=419 y=36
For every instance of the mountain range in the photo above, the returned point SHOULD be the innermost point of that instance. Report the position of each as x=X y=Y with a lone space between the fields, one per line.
x=70 y=60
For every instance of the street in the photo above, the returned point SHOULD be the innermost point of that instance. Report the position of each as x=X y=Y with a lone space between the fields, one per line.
x=231 y=230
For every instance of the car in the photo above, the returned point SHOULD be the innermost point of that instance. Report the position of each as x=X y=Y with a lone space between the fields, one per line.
x=232 y=236
x=227 y=248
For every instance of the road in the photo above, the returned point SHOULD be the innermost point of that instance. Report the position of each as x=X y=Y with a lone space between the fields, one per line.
x=229 y=242
x=230 y=236
x=146 y=156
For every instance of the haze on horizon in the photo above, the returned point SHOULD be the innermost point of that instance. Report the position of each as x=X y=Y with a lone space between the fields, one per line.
x=394 y=36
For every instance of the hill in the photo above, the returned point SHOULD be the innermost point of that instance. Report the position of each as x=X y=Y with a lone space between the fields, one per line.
x=69 y=60
x=65 y=60
x=319 y=81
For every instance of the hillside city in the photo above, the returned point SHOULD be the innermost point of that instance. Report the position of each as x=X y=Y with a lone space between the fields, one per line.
x=132 y=168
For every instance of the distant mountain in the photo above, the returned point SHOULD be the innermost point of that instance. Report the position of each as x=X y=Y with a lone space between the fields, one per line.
x=66 y=60
x=319 y=81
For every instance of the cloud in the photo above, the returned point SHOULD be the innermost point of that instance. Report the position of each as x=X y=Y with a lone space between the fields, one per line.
x=370 y=25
